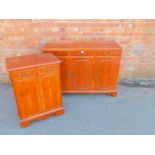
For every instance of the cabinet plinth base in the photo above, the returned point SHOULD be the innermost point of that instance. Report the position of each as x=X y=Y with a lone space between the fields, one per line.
x=60 y=112
x=25 y=124
x=114 y=94
x=27 y=121
x=110 y=92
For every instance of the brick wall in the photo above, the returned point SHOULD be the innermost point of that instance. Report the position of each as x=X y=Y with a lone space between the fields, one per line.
x=137 y=37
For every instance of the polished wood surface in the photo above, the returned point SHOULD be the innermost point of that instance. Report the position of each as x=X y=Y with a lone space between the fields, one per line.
x=88 y=66
x=74 y=45
x=36 y=84
x=33 y=60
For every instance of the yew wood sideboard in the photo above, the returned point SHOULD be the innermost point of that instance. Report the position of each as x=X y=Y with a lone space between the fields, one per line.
x=36 y=83
x=88 y=66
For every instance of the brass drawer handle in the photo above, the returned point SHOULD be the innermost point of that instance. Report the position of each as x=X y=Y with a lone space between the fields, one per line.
x=26 y=74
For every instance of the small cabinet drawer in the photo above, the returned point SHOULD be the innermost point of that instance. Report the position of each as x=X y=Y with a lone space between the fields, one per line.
x=59 y=53
x=46 y=70
x=23 y=74
x=83 y=53
x=108 y=52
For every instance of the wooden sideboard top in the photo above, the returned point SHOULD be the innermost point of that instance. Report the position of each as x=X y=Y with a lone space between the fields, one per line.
x=33 y=60
x=77 y=45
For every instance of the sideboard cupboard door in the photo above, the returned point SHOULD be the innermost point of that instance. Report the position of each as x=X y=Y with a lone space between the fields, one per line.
x=105 y=72
x=49 y=91
x=65 y=73
x=26 y=97
x=81 y=73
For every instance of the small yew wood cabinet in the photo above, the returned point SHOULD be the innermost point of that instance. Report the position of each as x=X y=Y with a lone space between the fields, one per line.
x=88 y=66
x=36 y=83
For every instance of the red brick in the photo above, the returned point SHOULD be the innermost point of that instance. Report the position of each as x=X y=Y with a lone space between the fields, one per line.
x=77 y=24
x=89 y=29
x=62 y=24
x=100 y=34
x=74 y=29
x=87 y=34
x=75 y=34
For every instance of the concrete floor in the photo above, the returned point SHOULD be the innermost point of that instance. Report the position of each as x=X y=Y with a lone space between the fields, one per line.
x=132 y=112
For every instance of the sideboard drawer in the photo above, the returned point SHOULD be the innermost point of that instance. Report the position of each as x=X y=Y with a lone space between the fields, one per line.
x=46 y=70
x=109 y=52
x=23 y=74
x=59 y=53
x=83 y=53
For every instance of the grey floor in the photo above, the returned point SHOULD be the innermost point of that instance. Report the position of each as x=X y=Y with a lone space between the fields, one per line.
x=132 y=112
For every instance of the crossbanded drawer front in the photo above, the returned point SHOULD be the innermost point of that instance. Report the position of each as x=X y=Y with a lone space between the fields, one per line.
x=24 y=74
x=83 y=53
x=47 y=70
x=59 y=53
x=108 y=52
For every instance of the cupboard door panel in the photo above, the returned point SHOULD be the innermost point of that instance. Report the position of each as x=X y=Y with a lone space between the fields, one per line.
x=82 y=73
x=105 y=71
x=49 y=92
x=26 y=96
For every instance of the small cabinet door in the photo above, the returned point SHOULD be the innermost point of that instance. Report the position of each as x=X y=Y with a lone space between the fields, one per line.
x=65 y=73
x=49 y=89
x=26 y=96
x=81 y=73
x=105 y=73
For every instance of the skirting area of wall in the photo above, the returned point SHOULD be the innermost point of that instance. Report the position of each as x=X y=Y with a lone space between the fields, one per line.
x=138 y=82
x=137 y=38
